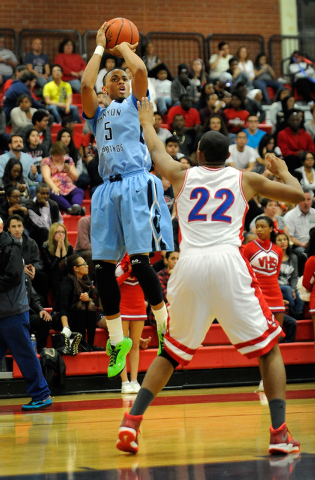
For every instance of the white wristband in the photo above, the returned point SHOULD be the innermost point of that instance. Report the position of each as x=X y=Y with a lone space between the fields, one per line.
x=99 y=50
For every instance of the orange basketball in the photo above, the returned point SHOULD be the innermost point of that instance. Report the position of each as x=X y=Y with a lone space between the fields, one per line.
x=120 y=30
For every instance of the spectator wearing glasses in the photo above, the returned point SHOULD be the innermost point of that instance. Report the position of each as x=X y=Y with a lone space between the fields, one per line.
x=58 y=97
x=12 y=205
x=254 y=134
x=75 y=302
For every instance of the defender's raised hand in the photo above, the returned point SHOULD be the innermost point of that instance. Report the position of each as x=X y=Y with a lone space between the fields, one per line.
x=145 y=112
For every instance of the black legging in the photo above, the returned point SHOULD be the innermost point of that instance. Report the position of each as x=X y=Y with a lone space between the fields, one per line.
x=41 y=329
x=305 y=87
x=81 y=321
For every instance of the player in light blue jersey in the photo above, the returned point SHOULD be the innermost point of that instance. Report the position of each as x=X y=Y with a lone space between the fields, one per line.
x=128 y=211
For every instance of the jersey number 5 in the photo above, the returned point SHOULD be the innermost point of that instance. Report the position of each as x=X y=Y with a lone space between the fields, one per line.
x=108 y=131
x=202 y=194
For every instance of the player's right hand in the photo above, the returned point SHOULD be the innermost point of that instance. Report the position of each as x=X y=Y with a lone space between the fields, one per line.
x=275 y=165
x=100 y=36
x=119 y=50
x=145 y=111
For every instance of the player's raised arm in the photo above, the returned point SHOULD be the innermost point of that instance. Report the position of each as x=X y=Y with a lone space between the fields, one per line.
x=288 y=191
x=136 y=66
x=89 y=77
x=169 y=168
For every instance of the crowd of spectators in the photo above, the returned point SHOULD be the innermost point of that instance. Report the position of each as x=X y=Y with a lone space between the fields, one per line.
x=41 y=180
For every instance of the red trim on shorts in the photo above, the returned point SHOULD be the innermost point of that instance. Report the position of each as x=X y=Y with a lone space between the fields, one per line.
x=258 y=339
x=280 y=309
x=180 y=346
x=266 y=349
x=178 y=359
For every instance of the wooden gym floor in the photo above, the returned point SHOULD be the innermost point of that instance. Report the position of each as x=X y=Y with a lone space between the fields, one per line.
x=186 y=435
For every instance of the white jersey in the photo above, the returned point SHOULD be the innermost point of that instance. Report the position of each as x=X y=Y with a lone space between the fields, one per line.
x=211 y=208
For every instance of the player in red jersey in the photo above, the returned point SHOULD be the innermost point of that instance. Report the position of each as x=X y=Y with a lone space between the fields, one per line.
x=212 y=278
x=265 y=258
x=309 y=275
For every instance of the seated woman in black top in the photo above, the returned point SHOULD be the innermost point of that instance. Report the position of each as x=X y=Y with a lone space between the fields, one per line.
x=75 y=302
x=56 y=248
x=13 y=177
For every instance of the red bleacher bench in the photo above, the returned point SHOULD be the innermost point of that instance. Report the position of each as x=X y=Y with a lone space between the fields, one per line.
x=266 y=127
x=215 y=352
x=76 y=98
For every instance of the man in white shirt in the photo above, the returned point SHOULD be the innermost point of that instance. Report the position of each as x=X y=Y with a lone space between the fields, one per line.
x=219 y=62
x=241 y=156
x=42 y=212
x=299 y=221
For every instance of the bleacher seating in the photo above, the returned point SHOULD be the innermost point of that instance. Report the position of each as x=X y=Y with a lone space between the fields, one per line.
x=215 y=352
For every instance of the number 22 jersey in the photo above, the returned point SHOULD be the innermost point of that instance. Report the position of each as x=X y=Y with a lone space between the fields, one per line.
x=211 y=208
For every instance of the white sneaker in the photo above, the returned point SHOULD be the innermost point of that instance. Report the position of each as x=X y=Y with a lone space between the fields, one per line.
x=66 y=331
x=135 y=385
x=260 y=388
x=126 y=387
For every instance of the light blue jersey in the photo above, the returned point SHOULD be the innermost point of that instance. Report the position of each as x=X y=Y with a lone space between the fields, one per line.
x=119 y=139
x=128 y=211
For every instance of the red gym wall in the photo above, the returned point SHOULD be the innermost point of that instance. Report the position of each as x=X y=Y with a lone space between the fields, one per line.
x=202 y=16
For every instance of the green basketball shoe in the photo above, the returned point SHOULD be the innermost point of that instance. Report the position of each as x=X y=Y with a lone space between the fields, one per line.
x=161 y=342
x=117 y=355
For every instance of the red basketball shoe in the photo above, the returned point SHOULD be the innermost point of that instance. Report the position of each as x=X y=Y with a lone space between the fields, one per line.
x=281 y=441
x=128 y=433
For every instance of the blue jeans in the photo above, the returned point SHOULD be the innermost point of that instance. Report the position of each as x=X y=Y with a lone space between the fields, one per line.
x=297 y=304
x=263 y=84
x=41 y=81
x=289 y=328
x=15 y=335
x=163 y=104
x=75 y=84
x=57 y=111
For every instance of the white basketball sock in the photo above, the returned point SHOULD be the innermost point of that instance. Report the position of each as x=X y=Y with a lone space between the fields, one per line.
x=161 y=318
x=115 y=330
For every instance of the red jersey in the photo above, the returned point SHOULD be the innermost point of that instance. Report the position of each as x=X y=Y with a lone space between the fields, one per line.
x=132 y=303
x=236 y=119
x=265 y=258
x=308 y=281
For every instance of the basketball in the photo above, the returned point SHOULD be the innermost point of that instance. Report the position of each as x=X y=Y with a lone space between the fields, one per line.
x=119 y=30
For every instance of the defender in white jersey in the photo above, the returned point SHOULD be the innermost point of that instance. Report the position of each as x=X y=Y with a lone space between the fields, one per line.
x=128 y=209
x=212 y=278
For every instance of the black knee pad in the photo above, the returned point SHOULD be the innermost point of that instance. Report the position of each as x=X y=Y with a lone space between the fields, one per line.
x=166 y=355
x=107 y=286
x=147 y=277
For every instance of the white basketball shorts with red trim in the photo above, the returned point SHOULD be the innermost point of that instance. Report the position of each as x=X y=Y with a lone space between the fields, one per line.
x=217 y=283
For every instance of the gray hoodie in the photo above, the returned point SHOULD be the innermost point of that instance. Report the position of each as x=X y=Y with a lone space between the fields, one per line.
x=13 y=296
